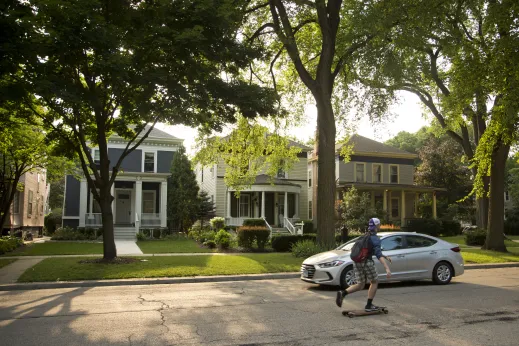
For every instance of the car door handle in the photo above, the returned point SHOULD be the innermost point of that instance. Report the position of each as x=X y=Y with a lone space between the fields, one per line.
x=400 y=256
x=433 y=252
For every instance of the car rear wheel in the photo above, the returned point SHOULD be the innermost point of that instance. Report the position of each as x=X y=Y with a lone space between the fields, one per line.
x=348 y=277
x=442 y=273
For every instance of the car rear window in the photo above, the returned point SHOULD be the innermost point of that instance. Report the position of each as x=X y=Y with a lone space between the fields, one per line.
x=414 y=241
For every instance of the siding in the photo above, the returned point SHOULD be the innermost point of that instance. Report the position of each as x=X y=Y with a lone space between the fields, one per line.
x=71 y=207
x=406 y=174
x=220 y=198
x=346 y=171
x=131 y=163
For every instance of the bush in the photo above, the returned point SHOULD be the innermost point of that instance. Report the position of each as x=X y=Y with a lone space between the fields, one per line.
x=389 y=228
x=254 y=222
x=210 y=244
x=67 y=233
x=426 y=226
x=450 y=228
x=205 y=236
x=476 y=237
x=8 y=244
x=52 y=221
x=223 y=239
x=306 y=248
x=283 y=243
x=141 y=236
x=512 y=222
x=247 y=235
x=308 y=226
x=217 y=223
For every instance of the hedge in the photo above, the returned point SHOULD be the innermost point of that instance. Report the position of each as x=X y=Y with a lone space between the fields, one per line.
x=431 y=227
x=283 y=243
x=308 y=227
x=8 y=244
x=450 y=228
x=247 y=235
x=254 y=222
x=52 y=221
x=476 y=237
x=512 y=226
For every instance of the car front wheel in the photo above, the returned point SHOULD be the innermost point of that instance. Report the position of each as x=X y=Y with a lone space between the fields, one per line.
x=348 y=277
x=442 y=273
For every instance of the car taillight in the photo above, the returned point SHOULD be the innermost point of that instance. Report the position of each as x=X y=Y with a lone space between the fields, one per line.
x=456 y=249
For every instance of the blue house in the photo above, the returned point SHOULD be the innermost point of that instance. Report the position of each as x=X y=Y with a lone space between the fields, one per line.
x=140 y=189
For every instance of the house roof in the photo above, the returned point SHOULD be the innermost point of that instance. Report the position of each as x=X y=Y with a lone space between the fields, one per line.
x=154 y=135
x=264 y=179
x=363 y=145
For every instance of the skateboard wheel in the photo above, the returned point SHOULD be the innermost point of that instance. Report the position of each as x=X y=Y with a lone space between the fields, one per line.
x=350 y=315
x=385 y=311
x=344 y=313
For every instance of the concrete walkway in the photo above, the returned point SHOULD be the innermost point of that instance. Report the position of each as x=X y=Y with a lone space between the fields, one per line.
x=11 y=272
x=127 y=247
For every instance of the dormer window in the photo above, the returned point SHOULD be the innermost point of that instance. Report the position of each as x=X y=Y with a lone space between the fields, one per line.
x=149 y=162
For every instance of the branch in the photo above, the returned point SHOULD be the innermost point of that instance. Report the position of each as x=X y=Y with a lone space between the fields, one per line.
x=434 y=71
x=352 y=49
x=259 y=32
x=272 y=66
x=469 y=36
x=257 y=7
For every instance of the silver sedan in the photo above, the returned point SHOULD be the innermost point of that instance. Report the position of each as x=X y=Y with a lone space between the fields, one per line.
x=415 y=256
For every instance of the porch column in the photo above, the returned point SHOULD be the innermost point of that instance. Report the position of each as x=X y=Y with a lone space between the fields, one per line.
x=402 y=213
x=163 y=204
x=276 y=210
x=228 y=211
x=384 y=206
x=138 y=204
x=263 y=204
x=285 y=212
x=297 y=205
x=83 y=193
x=434 y=205
x=416 y=199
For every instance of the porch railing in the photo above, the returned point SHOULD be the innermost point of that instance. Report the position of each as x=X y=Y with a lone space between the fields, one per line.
x=268 y=225
x=93 y=219
x=288 y=225
x=150 y=219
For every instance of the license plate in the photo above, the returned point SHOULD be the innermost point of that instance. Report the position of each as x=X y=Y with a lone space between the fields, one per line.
x=305 y=273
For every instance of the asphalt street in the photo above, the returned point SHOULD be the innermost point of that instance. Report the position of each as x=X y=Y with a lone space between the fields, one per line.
x=478 y=308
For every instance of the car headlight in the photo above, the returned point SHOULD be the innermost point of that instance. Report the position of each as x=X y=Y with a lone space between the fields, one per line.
x=335 y=263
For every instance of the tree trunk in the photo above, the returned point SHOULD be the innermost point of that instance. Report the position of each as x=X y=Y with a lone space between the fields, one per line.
x=109 y=250
x=495 y=238
x=7 y=200
x=482 y=206
x=326 y=173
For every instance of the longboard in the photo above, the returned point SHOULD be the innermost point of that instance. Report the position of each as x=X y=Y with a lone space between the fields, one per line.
x=355 y=313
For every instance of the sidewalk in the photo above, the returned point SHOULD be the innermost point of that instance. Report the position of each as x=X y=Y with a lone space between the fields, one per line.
x=11 y=272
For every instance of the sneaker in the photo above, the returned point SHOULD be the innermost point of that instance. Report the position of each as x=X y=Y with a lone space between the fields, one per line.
x=371 y=308
x=340 y=297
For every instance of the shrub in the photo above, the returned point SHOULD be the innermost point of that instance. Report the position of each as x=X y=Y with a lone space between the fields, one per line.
x=254 y=222
x=8 y=244
x=247 y=235
x=389 y=228
x=426 y=226
x=210 y=244
x=141 y=236
x=217 y=223
x=52 y=221
x=308 y=226
x=223 y=239
x=450 y=228
x=512 y=222
x=305 y=248
x=476 y=237
x=283 y=243
x=205 y=236
x=67 y=233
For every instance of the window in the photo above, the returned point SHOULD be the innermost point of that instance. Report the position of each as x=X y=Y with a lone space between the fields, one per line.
x=414 y=241
x=377 y=173
x=310 y=216
x=360 y=170
x=507 y=196
x=38 y=177
x=394 y=207
x=148 y=202
x=149 y=162
x=392 y=243
x=244 y=205
x=393 y=174
x=309 y=178
x=97 y=156
x=281 y=170
x=16 y=202
x=212 y=171
x=29 y=203
x=202 y=174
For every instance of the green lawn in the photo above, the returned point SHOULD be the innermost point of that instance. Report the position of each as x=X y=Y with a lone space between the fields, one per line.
x=66 y=269
x=5 y=261
x=58 y=248
x=181 y=245
x=460 y=239
x=485 y=256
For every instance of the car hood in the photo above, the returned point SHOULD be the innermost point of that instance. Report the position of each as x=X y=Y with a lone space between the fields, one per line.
x=328 y=256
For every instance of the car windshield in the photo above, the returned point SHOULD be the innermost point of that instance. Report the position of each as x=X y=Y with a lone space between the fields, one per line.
x=348 y=245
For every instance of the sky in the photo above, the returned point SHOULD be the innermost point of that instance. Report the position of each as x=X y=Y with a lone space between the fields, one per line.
x=409 y=117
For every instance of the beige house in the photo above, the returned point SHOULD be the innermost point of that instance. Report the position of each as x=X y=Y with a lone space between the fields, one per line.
x=281 y=200
x=387 y=173
x=29 y=205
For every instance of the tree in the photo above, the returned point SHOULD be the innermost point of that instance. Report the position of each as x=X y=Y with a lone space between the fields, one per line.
x=355 y=210
x=457 y=57
x=183 y=201
x=132 y=63
x=206 y=209
x=56 y=194
x=410 y=142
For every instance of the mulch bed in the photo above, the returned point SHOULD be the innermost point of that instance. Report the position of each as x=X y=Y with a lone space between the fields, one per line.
x=118 y=260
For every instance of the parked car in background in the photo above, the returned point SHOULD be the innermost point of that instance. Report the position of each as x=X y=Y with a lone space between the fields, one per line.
x=415 y=256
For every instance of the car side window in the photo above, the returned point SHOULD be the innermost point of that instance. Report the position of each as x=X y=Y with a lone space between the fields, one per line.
x=415 y=241
x=392 y=243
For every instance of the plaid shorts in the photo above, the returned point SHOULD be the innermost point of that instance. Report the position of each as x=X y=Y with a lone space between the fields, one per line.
x=365 y=271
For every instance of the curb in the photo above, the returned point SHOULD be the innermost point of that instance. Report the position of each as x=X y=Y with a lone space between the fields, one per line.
x=185 y=280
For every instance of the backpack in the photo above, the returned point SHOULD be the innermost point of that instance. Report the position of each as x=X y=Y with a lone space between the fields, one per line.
x=360 y=250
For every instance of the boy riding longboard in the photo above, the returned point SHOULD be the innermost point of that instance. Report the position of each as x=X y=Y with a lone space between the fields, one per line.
x=362 y=256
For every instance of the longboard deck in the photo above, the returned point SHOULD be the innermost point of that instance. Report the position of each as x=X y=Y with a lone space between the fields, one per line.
x=356 y=313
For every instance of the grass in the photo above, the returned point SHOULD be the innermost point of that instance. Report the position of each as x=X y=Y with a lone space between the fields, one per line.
x=486 y=256
x=460 y=239
x=58 y=248
x=66 y=269
x=5 y=261
x=181 y=245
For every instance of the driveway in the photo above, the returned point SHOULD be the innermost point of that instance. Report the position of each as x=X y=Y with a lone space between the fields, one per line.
x=479 y=308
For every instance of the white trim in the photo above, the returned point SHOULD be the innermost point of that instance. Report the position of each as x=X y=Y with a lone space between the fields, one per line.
x=381 y=173
x=272 y=188
x=398 y=173
x=70 y=217
x=355 y=172
x=154 y=201
x=121 y=144
x=155 y=156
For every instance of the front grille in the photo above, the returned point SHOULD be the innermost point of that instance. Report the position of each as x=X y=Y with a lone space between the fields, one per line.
x=310 y=268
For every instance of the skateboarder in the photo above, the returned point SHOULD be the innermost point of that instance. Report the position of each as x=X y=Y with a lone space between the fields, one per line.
x=365 y=271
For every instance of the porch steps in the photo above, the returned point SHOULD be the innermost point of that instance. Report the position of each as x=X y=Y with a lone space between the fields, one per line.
x=124 y=233
x=280 y=231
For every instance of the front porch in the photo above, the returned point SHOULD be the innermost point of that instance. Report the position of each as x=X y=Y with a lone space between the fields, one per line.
x=139 y=202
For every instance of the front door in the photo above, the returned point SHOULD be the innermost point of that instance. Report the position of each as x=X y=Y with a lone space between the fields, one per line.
x=123 y=207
